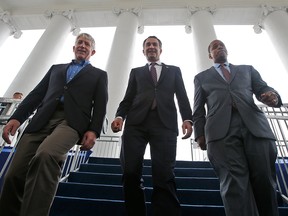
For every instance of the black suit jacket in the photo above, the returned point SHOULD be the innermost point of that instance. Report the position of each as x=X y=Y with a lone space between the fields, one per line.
x=85 y=99
x=212 y=90
x=140 y=93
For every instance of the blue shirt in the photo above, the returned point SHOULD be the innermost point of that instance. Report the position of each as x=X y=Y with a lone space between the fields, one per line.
x=74 y=69
x=217 y=67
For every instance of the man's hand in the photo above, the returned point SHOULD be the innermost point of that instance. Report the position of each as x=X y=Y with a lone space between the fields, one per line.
x=88 y=141
x=187 y=129
x=117 y=124
x=10 y=129
x=269 y=98
x=202 y=143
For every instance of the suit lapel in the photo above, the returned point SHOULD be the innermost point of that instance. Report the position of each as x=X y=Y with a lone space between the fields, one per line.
x=164 y=71
x=233 y=71
x=81 y=72
x=216 y=75
x=147 y=74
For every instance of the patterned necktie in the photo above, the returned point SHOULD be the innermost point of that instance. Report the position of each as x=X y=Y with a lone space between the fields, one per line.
x=153 y=73
x=154 y=78
x=225 y=72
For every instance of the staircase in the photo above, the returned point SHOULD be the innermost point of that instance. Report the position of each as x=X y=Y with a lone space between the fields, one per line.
x=96 y=190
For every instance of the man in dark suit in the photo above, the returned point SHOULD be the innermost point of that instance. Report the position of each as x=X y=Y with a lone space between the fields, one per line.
x=151 y=117
x=71 y=105
x=240 y=143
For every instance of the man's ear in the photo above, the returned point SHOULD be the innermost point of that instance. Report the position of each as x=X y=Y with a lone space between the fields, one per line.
x=210 y=57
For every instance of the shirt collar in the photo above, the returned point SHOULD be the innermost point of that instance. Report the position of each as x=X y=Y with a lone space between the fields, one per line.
x=82 y=63
x=157 y=63
x=216 y=65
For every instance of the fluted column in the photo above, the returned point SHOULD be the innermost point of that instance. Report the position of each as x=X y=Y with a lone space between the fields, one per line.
x=120 y=59
x=7 y=27
x=275 y=21
x=201 y=25
x=44 y=53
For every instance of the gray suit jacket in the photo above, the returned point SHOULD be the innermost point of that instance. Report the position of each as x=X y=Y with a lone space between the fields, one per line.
x=213 y=91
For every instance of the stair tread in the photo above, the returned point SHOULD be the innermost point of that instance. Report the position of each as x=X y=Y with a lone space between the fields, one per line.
x=96 y=189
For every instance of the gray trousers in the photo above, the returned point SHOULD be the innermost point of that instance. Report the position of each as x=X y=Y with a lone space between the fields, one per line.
x=245 y=165
x=31 y=181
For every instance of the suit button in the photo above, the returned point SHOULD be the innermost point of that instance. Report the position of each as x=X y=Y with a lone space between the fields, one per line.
x=65 y=87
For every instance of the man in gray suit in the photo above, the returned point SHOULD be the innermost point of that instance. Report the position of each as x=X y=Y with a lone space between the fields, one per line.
x=239 y=141
x=71 y=105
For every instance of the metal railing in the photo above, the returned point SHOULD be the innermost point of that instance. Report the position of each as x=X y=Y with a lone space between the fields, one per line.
x=7 y=106
x=110 y=146
x=278 y=119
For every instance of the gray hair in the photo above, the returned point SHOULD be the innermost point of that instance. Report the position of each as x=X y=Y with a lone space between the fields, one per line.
x=87 y=36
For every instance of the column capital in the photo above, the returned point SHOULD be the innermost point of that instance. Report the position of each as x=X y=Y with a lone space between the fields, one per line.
x=6 y=18
x=266 y=10
x=135 y=11
x=69 y=14
x=191 y=11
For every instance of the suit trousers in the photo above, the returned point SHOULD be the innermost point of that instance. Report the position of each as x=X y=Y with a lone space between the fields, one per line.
x=162 y=143
x=245 y=165
x=31 y=181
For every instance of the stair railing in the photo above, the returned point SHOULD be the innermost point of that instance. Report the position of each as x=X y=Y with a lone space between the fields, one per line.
x=278 y=119
x=7 y=107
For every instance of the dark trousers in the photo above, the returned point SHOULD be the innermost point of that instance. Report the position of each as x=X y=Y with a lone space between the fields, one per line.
x=163 y=155
x=32 y=178
x=245 y=165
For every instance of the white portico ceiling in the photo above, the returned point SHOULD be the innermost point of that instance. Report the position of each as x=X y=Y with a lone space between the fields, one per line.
x=30 y=14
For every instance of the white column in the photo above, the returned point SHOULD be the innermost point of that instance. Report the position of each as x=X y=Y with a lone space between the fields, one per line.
x=203 y=33
x=120 y=59
x=44 y=53
x=275 y=22
x=7 y=27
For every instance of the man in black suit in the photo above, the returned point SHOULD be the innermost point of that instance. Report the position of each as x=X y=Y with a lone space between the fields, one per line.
x=151 y=117
x=71 y=105
x=240 y=143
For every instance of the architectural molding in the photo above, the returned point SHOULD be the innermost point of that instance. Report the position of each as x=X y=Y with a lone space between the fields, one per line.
x=136 y=11
x=191 y=11
x=266 y=10
x=69 y=14
x=6 y=18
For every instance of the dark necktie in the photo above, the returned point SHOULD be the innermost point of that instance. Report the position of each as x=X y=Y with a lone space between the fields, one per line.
x=225 y=72
x=154 y=78
x=153 y=73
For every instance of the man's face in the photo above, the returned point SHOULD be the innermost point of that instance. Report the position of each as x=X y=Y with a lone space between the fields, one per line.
x=83 y=49
x=152 y=49
x=218 y=52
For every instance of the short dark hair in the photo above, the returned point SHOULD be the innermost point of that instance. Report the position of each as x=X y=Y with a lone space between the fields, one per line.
x=160 y=43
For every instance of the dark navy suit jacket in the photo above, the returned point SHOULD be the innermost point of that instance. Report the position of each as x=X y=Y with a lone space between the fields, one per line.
x=85 y=99
x=141 y=91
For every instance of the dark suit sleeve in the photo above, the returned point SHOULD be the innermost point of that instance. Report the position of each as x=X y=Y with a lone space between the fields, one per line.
x=32 y=100
x=199 y=112
x=260 y=86
x=182 y=98
x=129 y=96
x=99 y=106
